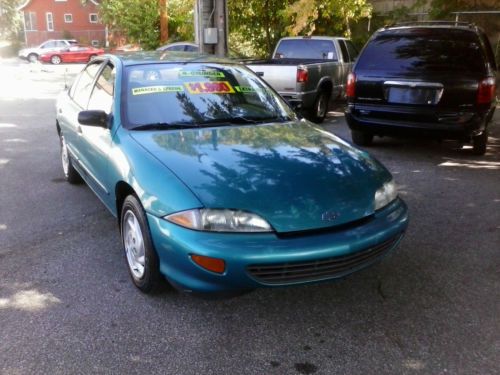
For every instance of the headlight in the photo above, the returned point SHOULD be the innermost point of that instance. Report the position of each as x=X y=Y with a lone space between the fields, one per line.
x=385 y=195
x=212 y=220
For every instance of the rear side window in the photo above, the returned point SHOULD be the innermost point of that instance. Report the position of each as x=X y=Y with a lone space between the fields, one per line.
x=424 y=50
x=306 y=49
x=353 y=52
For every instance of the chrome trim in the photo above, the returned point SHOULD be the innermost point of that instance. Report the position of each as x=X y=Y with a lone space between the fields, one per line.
x=413 y=84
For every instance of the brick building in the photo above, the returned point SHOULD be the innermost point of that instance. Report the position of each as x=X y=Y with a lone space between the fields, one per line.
x=62 y=19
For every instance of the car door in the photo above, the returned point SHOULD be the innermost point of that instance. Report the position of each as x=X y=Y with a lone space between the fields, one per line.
x=95 y=142
x=75 y=101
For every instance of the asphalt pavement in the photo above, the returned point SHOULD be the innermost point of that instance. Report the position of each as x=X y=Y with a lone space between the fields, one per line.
x=67 y=305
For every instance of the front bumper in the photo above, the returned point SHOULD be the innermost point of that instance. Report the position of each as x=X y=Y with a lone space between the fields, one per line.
x=240 y=252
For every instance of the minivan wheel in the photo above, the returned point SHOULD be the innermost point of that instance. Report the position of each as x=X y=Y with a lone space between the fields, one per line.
x=361 y=138
x=479 y=143
x=142 y=260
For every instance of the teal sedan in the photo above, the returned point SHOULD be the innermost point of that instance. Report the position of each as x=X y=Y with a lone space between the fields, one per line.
x=217 y=185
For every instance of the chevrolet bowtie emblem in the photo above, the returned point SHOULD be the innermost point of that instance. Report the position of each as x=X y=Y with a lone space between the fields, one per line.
x=329 y=215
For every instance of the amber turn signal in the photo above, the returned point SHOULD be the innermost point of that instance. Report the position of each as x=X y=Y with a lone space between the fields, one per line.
x=212 y=264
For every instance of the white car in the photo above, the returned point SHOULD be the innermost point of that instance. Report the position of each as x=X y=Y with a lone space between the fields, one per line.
x=32 y=54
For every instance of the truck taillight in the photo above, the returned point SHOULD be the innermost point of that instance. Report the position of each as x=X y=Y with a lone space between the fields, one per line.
x=302 y=74
x=350 y=90
x=486 y=91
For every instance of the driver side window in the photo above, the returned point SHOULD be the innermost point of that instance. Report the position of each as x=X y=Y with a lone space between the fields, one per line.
x=83 y=87
x=102 y=95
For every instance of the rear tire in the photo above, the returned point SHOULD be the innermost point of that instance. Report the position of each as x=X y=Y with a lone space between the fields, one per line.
x=479 y=143
x=70 y=173
x=92 y=57
x=142 y=260
x=361 y=138
x=319 y=110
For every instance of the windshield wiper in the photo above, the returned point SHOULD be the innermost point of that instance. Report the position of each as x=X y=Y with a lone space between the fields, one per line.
x=163 y=126
x=229 y=121
x=242 y=120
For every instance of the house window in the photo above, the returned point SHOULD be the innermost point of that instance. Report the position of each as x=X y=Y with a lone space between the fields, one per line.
x=68 y=18
x=30 y=21
x=93 y=17
x=95 y=43
x=50 y=21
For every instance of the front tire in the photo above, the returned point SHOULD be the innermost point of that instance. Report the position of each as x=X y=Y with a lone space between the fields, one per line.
x=142 y=260
x=56 y=60
x=479 y=143
x=361 y=138
x=70 y=173
x=32 y=57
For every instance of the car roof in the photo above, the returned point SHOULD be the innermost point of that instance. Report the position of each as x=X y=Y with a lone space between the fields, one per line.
x=154 y=57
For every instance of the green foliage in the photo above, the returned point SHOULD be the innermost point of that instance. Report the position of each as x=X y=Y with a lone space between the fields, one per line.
x=181 y=20
x=326 y=16
x=9 y=19
x=256 y=25
x=139 y=20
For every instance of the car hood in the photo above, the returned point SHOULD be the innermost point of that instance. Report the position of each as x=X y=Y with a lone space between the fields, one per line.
x=295 y=175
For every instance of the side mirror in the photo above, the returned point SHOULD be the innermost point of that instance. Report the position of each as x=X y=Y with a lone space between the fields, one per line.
x=93 y=118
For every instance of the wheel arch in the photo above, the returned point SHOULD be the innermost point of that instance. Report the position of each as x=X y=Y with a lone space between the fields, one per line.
x=326 y=85
x=122 y=191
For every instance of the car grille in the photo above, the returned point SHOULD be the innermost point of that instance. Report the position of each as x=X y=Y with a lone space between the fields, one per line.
x=289 y=273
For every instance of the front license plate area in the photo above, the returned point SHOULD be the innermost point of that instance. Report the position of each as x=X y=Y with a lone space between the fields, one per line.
x=412 y=95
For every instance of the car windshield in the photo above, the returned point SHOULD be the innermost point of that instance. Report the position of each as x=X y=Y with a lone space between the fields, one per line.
x=195 y=95
x=423 y=50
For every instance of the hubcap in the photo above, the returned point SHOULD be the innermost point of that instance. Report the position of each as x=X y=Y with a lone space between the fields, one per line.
x=56 y=60
x=133 y=242
x=64 y=156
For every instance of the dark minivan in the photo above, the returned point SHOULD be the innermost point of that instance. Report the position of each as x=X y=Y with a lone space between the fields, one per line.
x=432 y=79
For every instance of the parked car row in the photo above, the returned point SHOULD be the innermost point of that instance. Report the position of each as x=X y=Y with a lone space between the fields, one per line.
x=60 y=51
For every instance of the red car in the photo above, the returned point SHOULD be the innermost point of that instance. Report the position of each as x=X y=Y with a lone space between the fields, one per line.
x=73 y=54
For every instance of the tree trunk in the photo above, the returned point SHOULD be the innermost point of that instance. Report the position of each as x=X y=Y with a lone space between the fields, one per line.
x=163 y=4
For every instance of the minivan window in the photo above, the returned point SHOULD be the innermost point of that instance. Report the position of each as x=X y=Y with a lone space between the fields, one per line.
x=423 y=51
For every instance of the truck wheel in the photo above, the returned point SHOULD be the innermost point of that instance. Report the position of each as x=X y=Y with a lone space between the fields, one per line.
x=320 y=107
x=479 y=143
x=361 y=138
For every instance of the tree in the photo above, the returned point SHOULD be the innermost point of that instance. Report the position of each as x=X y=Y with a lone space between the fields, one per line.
x=9 y=19
x=139 y=20
x=323 y=16
x=257 y=25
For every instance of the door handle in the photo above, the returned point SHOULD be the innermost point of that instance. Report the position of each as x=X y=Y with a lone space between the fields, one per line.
x=79 y=130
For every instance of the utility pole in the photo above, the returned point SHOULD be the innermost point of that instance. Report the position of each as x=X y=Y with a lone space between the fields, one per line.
x=163 y=4
x=211 y=26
